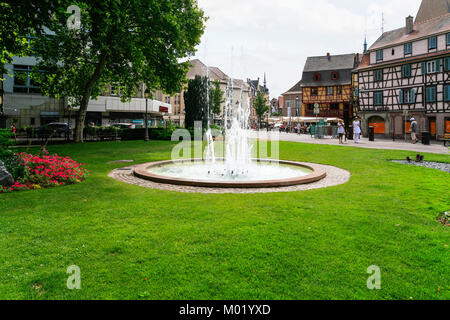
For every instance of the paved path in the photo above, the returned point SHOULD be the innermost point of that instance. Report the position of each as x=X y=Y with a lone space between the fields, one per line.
x=365 y=143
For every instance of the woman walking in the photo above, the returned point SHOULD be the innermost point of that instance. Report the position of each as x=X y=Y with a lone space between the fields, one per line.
x=357 y=129
x=14 y=130
x=341 y=131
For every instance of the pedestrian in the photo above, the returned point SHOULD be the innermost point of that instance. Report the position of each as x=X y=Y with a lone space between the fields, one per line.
x=341 y=131
x=13 y=130
x=357 y=129
x=414 y=131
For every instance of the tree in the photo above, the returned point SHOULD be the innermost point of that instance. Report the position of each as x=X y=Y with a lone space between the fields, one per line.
x=18 y=19
x=122 y=42
x=260 y=106
x=196 y=103
x=216 y=98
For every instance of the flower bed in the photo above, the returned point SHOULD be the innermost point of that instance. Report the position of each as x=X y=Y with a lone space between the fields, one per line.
x=46 y=171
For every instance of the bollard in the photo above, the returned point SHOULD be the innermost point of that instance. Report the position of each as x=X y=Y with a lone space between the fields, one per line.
x=372 y=134
x=426 y=138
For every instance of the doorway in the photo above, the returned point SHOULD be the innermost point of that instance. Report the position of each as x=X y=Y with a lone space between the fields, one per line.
x=432 y=127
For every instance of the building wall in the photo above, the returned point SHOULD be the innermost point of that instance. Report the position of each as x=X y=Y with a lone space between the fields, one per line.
x=419 y=47
x=393 y=87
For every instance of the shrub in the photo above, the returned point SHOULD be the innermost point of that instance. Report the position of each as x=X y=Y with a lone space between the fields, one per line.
x=44 y=171
x=5 y=142
x=14 y=166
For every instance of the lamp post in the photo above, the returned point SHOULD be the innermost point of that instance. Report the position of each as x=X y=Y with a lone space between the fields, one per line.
x=147 y=95
x=69 y=110
x=405 y=113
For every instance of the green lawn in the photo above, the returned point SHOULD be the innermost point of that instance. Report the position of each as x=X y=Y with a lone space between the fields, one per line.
x=136 y=243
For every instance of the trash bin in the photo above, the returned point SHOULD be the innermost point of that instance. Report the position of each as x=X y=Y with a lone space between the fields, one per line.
x=426 y=138
x=372 y=134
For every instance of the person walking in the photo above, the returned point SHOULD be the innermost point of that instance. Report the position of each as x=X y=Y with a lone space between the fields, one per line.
x=341 y=131
x=13 y=130
x=414 y=127
x=357 y=129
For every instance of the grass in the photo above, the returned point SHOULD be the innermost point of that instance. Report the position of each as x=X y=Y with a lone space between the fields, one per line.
x=136 y=243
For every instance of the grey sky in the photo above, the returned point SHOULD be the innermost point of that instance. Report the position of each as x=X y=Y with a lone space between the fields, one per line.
x=246 y=38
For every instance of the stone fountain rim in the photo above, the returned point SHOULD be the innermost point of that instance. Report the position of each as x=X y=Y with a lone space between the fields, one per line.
x=318 y=173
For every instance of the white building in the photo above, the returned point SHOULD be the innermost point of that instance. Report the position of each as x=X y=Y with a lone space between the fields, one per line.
x=24 y=104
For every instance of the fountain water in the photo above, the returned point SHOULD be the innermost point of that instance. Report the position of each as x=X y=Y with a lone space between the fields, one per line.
x=237 y=169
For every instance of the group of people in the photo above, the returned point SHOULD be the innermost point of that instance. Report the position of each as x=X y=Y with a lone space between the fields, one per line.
x=356 y=130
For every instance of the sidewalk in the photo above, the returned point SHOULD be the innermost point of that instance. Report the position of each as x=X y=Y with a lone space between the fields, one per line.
x=435 y=147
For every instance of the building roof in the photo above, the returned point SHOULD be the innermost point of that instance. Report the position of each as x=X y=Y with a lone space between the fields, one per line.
x=330 y=63
x=200 y=69
x=325 y=66
x=428 y=22
x=430 y=9
x=297 y=88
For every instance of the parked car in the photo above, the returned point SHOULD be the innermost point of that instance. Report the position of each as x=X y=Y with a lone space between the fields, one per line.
x=60 y=129
x=124 y=125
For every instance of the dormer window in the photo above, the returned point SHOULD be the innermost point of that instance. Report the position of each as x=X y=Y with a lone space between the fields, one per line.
x=379 y=55
x=317 y=77
x=334 y=76
x=432 y=43
x=408 y=48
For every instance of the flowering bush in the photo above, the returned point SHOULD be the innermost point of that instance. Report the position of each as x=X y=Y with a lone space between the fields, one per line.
x=45 y=171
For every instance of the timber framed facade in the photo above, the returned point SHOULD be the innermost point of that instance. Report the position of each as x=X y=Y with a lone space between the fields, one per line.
x=327 y=81
x=405 y=74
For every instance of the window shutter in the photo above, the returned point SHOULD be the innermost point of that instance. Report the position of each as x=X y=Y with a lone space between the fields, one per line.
x=413 y=95
x=438 y=65
x=445 y=64
x=400 y=96
x=424 y=67
x=446 y=93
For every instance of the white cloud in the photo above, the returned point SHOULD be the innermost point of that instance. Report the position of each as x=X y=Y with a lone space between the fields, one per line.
x=276 y=37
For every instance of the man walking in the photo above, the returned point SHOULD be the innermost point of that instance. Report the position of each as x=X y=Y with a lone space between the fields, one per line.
x=414 y=131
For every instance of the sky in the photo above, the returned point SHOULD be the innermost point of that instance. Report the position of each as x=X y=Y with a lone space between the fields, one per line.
x=245 y=38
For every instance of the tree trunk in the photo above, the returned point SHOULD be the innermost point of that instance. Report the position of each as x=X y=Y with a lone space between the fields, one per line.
x=81 y=117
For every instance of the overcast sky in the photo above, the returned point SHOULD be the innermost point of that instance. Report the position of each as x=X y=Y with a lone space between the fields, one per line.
x=245 y=38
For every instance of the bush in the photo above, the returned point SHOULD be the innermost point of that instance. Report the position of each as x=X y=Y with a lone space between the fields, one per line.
x=13 y=166
x=5 y=142
x=154 y=133
x=101 y=131
x=44 y=171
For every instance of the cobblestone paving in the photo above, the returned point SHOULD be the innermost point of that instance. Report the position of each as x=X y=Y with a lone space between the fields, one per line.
x=427 y=164
x=335 y=176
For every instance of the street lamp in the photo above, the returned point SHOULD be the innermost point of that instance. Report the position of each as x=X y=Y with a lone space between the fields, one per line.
x=147 y=95
x=405 y=113
x=69 y=110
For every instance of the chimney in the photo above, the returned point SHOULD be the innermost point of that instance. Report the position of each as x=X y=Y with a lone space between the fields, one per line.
x=409 y=25
x=328 y=56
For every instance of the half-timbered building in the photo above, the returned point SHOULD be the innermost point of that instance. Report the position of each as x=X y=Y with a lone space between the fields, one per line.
x=327 y=81
x=406 y=73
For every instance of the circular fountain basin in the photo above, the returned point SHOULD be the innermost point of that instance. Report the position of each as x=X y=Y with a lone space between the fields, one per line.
x=261 y=174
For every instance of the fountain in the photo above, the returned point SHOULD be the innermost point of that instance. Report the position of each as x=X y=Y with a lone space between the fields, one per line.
x=236 y=169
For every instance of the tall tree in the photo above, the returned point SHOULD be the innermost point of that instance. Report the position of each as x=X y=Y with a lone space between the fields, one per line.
x=121 y=42
x=216 y=98
x=18 y=19
x=261 y=107
x=196 y=102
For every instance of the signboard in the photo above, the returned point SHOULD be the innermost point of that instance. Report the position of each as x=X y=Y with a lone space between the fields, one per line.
x=163 y=109
x=316 y=108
